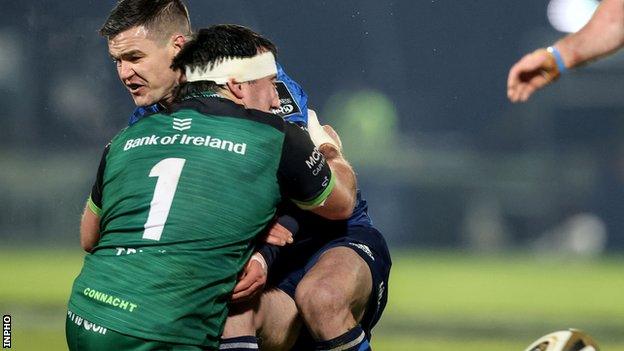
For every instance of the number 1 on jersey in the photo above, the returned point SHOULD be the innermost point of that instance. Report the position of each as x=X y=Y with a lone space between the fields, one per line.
x=168 y=172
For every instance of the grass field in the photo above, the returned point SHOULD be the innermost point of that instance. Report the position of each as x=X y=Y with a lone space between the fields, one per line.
x=438 y=300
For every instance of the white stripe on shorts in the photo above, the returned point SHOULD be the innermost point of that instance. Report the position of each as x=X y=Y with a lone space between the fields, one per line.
x=348 y=345
x=239 y=345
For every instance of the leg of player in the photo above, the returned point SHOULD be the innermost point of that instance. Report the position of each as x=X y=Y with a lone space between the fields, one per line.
x=273 y=316
x=239 y=333
x=332 y=299
x=277 y=321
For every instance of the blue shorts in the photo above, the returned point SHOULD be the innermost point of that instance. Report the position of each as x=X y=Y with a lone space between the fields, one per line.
x=367 y=242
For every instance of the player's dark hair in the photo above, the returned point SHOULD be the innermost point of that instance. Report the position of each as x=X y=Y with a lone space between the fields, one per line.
x=214 y=44
x=161 y=16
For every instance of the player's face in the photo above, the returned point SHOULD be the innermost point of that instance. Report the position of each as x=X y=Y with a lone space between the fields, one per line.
x=261 y=94
x=143 y=65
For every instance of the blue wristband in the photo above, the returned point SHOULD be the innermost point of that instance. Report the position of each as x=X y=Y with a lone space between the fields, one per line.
x=557 y=55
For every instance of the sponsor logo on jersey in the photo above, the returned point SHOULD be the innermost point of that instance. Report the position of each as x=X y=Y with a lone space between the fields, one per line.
x=109 y=299
x=79 y=321
x=182 y=124
x=288 y=105
x=325 y=182
x=315 y=162
x=364 y=249
x=185 y=139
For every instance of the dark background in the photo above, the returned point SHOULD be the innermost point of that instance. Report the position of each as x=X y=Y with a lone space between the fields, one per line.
x=417 y=89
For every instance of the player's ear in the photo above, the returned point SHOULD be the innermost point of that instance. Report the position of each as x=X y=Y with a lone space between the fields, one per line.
x=178 y=42
x=236 y=89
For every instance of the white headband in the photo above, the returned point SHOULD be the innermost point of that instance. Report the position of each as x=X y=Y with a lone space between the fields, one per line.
x=239 y=69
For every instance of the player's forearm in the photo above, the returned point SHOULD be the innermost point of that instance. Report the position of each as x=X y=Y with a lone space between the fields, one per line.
x=89 y=230
x=340 y=203
x=602 y=35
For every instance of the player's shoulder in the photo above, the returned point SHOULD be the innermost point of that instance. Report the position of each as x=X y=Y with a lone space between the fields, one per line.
x=271 y=119
x=217 y=106
x=120 y=134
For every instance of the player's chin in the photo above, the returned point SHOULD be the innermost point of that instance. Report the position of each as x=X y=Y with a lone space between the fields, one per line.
x=143 y=99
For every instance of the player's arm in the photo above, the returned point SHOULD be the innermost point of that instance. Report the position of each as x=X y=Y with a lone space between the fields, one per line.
x=329 y=144
x=317 y=180
x=254 y=275
x=90 y=222
x=89 y=229
x=602 y=35
x=252 y=279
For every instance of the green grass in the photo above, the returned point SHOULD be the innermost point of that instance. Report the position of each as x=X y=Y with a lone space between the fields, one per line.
x=438 y=300
x=446 y=301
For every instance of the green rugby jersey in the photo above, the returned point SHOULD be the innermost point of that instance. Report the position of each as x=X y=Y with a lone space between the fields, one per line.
x=181 y=196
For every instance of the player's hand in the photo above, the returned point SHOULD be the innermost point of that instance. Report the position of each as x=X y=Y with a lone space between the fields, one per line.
x=334 y=135
x=279 y=235
x=534 y=71
x=251 y=280
x=319 y=134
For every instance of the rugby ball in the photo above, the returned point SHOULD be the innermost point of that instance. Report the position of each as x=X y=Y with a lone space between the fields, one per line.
x=564 y=340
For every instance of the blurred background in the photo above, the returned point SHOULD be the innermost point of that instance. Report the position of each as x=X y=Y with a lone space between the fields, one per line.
x=505 y=221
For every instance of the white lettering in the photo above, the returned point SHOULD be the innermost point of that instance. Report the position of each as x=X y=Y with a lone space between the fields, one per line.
x=199 y=141
x=228 y=144
x=216 y=143
x=185 y=139
x=240 y=148
x=318 y=168
x=153 y=140
x=146 y=140
x=311 y=161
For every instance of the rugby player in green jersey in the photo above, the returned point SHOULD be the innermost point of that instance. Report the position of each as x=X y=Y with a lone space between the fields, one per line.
x=179 y=196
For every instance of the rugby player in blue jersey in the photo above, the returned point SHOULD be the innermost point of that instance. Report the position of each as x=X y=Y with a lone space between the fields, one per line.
x=326 y=290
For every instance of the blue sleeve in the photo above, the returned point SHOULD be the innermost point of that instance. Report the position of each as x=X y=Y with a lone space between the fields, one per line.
x=143 y=111
x=293 y=100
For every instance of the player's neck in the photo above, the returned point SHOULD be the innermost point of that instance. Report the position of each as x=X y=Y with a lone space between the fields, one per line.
x=225 y=93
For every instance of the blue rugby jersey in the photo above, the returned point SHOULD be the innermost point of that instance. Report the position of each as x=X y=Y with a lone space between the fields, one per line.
x=294 y=109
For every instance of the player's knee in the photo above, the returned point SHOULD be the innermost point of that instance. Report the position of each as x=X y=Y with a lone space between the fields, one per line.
x=320 y=299
x=239 y=323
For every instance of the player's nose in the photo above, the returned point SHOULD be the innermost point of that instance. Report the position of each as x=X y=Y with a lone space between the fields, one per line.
x=275 y=101
x=125 y=70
